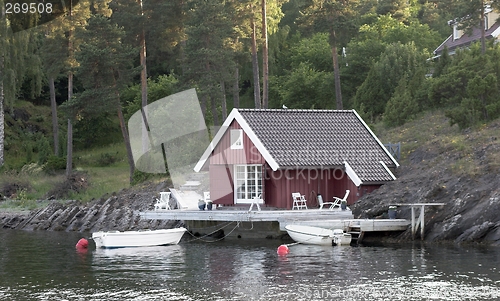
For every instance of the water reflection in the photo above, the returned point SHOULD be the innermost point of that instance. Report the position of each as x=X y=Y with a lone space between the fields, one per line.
x=46 y=266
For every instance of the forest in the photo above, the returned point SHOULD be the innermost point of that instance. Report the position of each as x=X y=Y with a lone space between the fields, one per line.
x=96 y=62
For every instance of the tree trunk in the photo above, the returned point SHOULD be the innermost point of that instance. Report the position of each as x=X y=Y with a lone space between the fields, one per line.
x=224 y=100
x=215 y=114
x=2 y=117
x=255 y=67
x=126 y=139
x=144 y=88
x=336 y=73
x=203 y=106
x=55 y=124
x=483 y=30
x=69 y=154
x=265 y=59
x=236 y=88
x=2 y=97
x=69 y=145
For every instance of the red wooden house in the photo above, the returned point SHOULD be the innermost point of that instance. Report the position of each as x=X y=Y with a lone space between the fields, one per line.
x=276 y=152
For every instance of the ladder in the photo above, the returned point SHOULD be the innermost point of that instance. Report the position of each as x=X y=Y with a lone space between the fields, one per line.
x=354 y=228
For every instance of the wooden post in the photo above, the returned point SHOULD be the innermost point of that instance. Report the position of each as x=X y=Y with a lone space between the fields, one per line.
x=413 y=222
x=422 y=222
x=421 y=219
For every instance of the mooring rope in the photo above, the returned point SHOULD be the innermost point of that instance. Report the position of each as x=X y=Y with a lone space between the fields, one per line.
x=201 y=237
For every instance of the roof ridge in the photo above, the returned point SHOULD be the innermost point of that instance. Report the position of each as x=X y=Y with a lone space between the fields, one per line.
x=291 y=110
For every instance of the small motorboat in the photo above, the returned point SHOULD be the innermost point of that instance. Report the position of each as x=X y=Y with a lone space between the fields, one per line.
x=318 y=236
x=341 y=238
x=117 y=239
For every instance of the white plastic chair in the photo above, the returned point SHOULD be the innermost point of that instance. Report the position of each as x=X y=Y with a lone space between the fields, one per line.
x=336 y=201
x=299 y=201
x=163 y=202
x=256 y=201
x=206 y=198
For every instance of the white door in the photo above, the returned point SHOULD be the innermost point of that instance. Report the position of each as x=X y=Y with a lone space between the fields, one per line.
x=248 y=183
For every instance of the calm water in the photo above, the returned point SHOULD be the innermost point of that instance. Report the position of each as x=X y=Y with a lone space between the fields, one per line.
x=46 y=266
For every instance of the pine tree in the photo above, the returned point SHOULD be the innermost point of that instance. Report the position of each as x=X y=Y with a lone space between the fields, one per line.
x=338 y=18
x=105 y=69
x=209 y=60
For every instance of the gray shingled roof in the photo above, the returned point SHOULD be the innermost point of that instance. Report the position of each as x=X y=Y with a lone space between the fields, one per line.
x=320 y=138
x=466 y=39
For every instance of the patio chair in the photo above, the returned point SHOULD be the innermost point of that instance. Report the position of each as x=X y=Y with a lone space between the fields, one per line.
x=299 y=201
x=163 y=202
x=336 y=201
x=206 y=196
x=256 y=201
x=207 y=199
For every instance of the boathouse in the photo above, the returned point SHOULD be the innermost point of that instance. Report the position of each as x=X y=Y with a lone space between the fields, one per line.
x=268 y=154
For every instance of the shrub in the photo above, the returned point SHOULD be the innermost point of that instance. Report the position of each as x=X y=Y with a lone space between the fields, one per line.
x=54 y=164
x=106 y=159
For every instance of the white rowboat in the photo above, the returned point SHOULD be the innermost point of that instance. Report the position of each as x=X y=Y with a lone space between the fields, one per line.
x=318 y=236
x=138 y=238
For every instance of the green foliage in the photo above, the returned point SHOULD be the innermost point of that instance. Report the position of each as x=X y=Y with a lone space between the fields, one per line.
x=140 y=177
x=105 y=68
x=399 y=9
x=97 y=130
x=469 y=86
x=398 y=61
x=159 y=88
x=361 y=55
x=54 y=164
x=44 y=150
x=314 y=51
x=106 y=159
x=402 y=106
x=442 y=63
x=307 y=88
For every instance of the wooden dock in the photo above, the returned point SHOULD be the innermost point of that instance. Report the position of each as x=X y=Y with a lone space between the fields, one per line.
x=331 y=219
x=248 y=216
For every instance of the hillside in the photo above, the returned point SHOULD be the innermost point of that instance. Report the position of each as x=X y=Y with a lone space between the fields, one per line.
x=442 y=164
x=31 y=172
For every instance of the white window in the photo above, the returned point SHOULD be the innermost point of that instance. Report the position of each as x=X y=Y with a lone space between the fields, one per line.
x=236 y=139
x=247 y=182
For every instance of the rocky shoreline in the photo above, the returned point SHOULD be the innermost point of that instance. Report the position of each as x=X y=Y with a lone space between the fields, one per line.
x=470 y=216
x=117 y=212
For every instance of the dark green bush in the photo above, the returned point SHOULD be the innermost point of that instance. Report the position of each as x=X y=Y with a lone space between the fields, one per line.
x=106 y=159
x=54 y=164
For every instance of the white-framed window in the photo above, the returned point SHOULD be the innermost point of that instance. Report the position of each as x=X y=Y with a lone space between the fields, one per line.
x=236 y=139
x=247 y=182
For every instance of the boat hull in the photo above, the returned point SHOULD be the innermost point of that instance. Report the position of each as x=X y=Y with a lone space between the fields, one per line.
x=340 y=238
x=138 y=238
x=310 y=235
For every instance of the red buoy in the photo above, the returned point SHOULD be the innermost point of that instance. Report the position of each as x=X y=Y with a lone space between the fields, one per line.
x=82 y=243
x=283 y=250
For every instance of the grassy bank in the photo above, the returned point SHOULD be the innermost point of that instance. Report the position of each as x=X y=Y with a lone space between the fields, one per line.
x=471 y=152
x=26 y=183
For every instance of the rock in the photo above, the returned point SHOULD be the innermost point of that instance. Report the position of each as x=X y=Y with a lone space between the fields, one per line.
x=118 y=212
